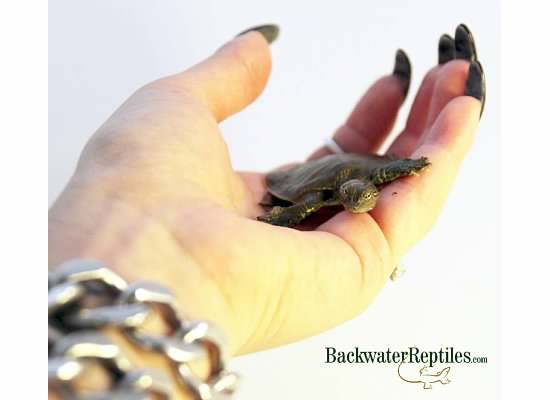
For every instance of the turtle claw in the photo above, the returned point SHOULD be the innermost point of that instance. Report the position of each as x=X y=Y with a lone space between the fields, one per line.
x=288 y=216
x=272 y=216
x=422 y=163
x=418 y=165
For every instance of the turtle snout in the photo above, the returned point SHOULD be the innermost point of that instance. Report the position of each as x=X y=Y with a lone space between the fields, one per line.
x=364 y=203
x=361 y=209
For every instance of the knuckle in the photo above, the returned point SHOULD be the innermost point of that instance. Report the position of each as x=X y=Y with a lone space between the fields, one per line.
x=174 y=89
x=242 y=58
x=112 y=148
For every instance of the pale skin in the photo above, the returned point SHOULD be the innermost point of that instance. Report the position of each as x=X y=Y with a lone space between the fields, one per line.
x=155 y=197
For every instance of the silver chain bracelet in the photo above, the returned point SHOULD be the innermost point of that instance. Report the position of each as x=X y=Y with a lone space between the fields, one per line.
x=75 y=345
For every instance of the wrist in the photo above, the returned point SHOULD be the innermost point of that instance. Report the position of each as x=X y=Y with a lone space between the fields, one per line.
x=128 y=350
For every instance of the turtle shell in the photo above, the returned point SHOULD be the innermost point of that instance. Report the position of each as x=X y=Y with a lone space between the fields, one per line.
x=322 y=174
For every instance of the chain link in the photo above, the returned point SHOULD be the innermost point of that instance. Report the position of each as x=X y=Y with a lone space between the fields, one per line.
x=75 y=346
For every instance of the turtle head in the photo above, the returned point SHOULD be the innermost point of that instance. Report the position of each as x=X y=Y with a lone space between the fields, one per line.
x=358 y=196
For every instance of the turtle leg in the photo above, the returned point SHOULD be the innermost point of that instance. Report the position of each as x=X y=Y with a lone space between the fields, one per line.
x=399 y=168
x=293 y=215
x=269 y=201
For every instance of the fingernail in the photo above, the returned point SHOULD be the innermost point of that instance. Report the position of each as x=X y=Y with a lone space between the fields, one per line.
x=402 y=70
x=269 y=31
x=464 y=43
x=475 y=84
x=446 y=49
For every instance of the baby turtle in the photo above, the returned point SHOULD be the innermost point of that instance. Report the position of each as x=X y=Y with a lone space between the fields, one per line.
x=350 y=180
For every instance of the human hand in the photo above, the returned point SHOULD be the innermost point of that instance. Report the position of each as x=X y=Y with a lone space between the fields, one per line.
x=155 y=197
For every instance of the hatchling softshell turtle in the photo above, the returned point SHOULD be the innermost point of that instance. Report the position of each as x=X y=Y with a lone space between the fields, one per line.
x=350 y=180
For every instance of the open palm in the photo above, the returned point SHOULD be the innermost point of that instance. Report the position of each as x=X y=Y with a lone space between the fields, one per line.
x=155 y=197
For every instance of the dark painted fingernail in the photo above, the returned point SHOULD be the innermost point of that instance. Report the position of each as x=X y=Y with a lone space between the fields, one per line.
x=475 y=84
x=269 y=31
x=446 y=49
x=402 y=70
x=465 y=46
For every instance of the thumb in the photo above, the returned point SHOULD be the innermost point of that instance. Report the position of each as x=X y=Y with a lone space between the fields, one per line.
x=235 y=75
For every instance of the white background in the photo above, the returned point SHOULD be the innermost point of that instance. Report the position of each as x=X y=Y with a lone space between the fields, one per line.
x=101 y=51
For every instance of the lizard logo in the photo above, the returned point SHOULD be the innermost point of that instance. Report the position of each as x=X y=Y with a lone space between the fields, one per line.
x=427 y=376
